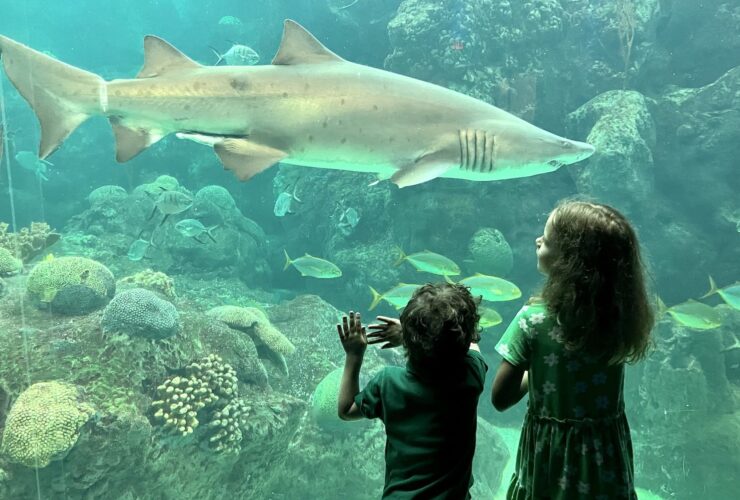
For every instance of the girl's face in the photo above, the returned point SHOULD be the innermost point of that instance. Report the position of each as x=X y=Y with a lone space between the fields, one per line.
x=546 y=250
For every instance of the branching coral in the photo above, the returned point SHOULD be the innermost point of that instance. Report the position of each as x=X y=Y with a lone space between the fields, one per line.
x=29 y=241
x=204 y=401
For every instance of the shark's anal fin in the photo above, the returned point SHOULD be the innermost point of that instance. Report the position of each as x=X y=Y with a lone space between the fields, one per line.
x=298 y=46
x=160 y=58
x=131 y=141
x=246 y=158
x=424 y=169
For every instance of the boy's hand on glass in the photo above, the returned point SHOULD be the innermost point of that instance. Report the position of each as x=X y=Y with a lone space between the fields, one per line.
x=352 y=335
x=388 y=331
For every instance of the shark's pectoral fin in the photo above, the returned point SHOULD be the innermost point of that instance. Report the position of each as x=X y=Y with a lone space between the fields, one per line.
x=246 y=158
x=160 y=57
x=298 y=46
x=131 y=141
x=422 y=170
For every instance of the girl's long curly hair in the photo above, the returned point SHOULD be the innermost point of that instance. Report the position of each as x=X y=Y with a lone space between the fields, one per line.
x=596 y=284
x=439 y=323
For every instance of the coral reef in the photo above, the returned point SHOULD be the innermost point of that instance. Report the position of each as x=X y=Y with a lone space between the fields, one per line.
x=29 y=241
x=254 y=322
x=9 y=264
x=208 y=392
x=70 y=285
x=236 y=349
x=44 y=423
x=107 y=194
x=490 y=252
x=621 y=128
x=149 y=279
x=140 y=312
x=324 y=404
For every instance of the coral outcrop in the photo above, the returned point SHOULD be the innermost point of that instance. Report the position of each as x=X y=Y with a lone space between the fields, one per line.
x=44 y=423
x=490 y=252
x=8 y=263
x=70 y=285
x=156 y=281
x=29 y=241
x=253 y=322
x=141 y=313
x=207 y=394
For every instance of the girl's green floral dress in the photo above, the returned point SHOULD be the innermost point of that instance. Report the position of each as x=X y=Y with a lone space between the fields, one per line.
x=575 y=443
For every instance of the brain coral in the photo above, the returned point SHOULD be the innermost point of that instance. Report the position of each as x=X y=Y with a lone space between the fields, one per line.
x=71 y=285
x=140 y=312
x=217 y=195
x=105 y=194
x=44 y=423
x=491 y=252
x=8 y=263
x=324 y=401
x=254 y=322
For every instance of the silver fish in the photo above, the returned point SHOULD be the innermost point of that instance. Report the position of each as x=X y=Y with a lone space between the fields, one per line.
x=284 y=203
x=33 y=163
x=138 y=249
x=173 y=202
x=193 y=228
x=238 y=55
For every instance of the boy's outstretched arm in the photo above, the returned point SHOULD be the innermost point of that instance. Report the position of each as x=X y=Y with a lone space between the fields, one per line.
x=354 y=341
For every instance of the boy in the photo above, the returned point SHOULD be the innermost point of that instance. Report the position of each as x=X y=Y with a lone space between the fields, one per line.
x=428 y=407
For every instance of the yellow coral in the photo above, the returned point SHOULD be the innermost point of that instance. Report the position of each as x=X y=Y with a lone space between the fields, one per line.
x=86 y=284
x=29 y=241
x=152 y=280
x=8 y=263
x=44 y=423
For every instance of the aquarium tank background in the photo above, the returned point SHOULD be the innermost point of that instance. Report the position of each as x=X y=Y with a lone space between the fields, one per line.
x=167 y=331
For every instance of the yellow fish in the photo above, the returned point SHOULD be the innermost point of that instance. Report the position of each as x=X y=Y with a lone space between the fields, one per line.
x=398 y=296
x=491 y=288
x=489 y=317
x=430 y=262
x=315 y=267
x=730 y=294
x=692 y=314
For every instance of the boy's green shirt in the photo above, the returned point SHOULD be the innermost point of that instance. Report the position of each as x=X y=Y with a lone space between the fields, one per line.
x=430 y=427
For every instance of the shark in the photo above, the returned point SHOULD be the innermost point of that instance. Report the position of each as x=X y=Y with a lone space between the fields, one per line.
x=309 y=107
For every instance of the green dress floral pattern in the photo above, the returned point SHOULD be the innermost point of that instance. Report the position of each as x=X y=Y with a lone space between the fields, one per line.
x=575 y=442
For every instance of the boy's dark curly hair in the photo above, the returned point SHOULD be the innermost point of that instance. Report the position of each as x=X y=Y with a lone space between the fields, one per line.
x=439 y=323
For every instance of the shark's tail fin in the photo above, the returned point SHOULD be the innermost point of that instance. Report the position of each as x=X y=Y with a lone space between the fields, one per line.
x=61 y=95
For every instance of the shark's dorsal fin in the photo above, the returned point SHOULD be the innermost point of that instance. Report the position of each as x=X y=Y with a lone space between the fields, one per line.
x=160 y=58
x=298 y=46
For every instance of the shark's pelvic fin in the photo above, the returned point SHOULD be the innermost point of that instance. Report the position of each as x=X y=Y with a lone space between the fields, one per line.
x=424 y=169
x=246 y=158
x=161 y=58
x=298 y=46
x=131 y=141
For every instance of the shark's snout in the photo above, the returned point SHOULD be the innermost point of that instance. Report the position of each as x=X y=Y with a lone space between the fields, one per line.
x=574 y=151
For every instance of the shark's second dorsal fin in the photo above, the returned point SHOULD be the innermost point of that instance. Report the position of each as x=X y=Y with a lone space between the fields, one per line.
x=160 y=58
x=298 y=46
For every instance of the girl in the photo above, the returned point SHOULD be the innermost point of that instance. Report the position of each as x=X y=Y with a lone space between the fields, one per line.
x=567 y=349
